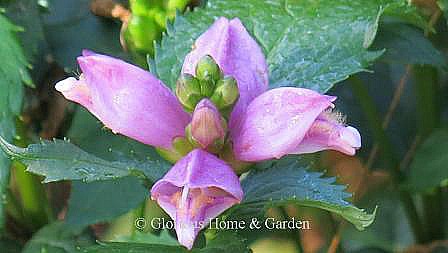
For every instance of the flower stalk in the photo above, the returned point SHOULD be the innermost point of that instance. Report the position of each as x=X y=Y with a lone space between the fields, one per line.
x=386 y=148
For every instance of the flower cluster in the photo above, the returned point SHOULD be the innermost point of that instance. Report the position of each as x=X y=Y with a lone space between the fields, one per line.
x=222 y=117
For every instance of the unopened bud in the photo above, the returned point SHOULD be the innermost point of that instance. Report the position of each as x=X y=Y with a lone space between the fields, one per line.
x=207 y=126
x=188 y=91
x=208 y=73
x=226 y=93
x=208 y=70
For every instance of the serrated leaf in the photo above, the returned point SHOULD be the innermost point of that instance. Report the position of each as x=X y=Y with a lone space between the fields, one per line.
x=289 y=180
x=164 y=238
x=225 y=242
x=57 y=238
x=429 y=167
x=311 y=44
x=93 y=202
x=407 y=45
x=13 y=72
x=26 y=14
x=60 y=160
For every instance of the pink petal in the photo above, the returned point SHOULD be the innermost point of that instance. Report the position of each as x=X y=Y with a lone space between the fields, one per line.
x=198 y=188
x=328 y=133
x=206 y=125
x=277 y=121
x=127 y=99
x=75 y=90
x=238 y=55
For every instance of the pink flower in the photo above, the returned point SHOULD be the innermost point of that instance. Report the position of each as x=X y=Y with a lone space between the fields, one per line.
x=197 y=189
x=292 y=121
x=262 y=124
x=238 y=55
x=127 y=99
x=269 y=124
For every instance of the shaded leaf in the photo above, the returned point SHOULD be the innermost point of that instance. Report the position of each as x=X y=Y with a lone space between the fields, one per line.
x=225 y=242
x=311 y=44
x=13 y=72
x=429 y=167
x=294 y=183
x=407 y=45
x=70 y=26
x=149 y=238
x=57 y=238
x=9 y=246
x=102 y=201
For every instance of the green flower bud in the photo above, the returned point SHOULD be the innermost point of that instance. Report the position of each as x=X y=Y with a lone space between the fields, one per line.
x=208 y=70
x=188 y=91
x=226 y=93
x=207 y=88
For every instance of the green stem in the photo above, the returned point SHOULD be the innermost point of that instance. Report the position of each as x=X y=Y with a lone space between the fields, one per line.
x=33 y=197
x=296 y=233
x=428 y=119
x=387 y=151
x=374 y=120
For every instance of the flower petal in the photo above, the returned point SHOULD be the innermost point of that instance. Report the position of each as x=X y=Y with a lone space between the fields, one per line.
x=328 y=133
x=197 y=189
x=238 y=55
x=127 y=99
x=206 y=124
x=277 y=121
x=75 y=90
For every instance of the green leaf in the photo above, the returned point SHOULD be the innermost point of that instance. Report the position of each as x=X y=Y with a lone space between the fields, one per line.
x=225 y=242
x=407 y=45
x=9 y=246
x=60 y=160
x=149 y=238
x=13 y=72
x=57 y=238
x=27 y=14
x=288 y=180
x=429 y=167
x=93 y=202
x=312 y=44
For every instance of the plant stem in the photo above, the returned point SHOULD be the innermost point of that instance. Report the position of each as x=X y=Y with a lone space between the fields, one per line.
x=296 y=233
x=386 y=149
x=33 y=198
x=428 y=119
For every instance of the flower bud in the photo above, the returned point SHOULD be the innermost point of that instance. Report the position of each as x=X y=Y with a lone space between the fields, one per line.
x=206 y=125
x=208 y=70
x=208 y=73
x=226 y=93
x=188 y=91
